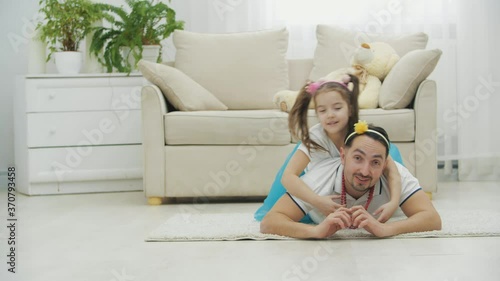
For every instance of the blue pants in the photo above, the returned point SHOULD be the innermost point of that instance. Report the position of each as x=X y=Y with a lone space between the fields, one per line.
x=277 y=189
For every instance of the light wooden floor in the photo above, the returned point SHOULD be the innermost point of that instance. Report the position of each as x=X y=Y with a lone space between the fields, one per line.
x=95 y=237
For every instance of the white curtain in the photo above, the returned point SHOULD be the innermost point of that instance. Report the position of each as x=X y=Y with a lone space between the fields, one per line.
x=478 y=90
x=466 y=75
x=221 y=16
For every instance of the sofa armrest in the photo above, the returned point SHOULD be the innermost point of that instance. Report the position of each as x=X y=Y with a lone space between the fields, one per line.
x=154 y=108
x=425 y=106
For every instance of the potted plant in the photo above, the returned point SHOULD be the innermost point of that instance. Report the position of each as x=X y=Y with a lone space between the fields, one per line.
x=147 y=23
x=65 y=24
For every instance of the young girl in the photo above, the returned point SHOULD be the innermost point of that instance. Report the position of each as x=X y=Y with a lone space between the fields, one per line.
x=336 y=106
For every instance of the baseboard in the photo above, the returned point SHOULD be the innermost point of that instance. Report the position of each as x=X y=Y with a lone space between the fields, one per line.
x=454 y=164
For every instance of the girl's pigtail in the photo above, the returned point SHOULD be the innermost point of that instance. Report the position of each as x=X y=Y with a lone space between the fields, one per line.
x=353 y=103
x=297 y=118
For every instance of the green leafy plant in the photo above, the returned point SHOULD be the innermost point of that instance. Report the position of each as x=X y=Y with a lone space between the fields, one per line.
x=65 y=23
x=147 y=23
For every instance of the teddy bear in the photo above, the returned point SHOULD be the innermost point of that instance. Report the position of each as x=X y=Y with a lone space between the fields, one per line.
x=370 y=63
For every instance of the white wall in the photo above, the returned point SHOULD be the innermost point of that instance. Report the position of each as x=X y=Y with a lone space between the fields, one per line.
x=17 y=21
x=210 y=16
x=15 y=29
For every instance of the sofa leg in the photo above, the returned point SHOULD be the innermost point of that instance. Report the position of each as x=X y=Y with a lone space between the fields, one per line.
x=155 y=201
x=429 y=194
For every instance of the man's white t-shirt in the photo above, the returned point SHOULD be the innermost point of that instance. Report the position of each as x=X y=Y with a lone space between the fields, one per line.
x=381 y=194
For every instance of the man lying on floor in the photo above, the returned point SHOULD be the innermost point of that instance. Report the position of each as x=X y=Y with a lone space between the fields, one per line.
x=363 y=189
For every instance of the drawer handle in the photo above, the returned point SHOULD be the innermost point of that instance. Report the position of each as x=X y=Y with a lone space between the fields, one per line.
x=52 y=96
x=52 y=131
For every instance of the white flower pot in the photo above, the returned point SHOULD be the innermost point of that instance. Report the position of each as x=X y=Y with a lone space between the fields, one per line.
x=68 y=62
x=149 y=53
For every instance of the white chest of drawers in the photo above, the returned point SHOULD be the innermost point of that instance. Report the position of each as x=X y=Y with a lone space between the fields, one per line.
x=77 y=134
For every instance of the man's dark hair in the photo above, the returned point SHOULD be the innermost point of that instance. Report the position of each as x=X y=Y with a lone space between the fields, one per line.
x=351 y=136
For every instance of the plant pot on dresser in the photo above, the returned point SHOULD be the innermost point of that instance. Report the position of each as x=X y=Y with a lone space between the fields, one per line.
x=79 y=133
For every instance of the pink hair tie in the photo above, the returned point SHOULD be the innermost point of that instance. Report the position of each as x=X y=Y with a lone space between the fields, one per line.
x=314 y=86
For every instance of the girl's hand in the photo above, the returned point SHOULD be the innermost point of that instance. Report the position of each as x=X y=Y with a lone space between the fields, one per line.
x=386 y=211
x=327 y=205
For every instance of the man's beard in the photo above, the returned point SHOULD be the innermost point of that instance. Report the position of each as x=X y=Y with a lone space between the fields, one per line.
x=362 y=186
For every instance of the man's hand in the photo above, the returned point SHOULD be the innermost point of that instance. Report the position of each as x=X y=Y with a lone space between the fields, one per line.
x=386 y=211
x=326 y=205
x=340 y=219
x=362 y=219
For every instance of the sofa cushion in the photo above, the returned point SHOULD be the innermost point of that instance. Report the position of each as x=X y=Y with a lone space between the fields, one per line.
x=400 y=85
x=243 y=70
x=180 y=90
x=399 y=124
x=232 y=127
x=336 y=45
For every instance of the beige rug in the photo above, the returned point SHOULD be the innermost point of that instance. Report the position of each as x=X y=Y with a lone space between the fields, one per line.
x=242 y=226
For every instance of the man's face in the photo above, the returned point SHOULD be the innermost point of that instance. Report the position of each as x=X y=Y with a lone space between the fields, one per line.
x=364 y=162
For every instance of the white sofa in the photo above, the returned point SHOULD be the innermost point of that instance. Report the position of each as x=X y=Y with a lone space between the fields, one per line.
x=236 y=152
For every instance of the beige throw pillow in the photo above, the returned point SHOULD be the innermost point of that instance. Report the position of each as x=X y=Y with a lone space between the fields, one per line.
x=180 y=90
x=400 y=85
x=243 y=70
x=336 y=46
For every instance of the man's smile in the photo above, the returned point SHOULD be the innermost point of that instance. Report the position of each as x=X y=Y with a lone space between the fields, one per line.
x=362 y=179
